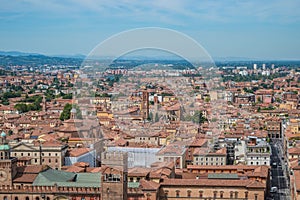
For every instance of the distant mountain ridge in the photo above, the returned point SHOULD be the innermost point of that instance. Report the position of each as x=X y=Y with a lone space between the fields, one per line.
x=20 y=53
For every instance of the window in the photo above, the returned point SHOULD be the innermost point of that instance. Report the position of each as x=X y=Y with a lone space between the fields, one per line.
x=215 y=194
x=37 y=198
x=27 y=198
x=48 y=198
x=231 y=195
x=255 y=196
x=56 y=160
x=112 y=177
x=49 y=154
x=28 y=154
x=246 y=195
x=177 y=193
x=5 y=198
x=236 y=194
x=221 y=194
x=189 y=192
x=16 y=198
x=166 y=193
x=21 y=154
x=200 y=194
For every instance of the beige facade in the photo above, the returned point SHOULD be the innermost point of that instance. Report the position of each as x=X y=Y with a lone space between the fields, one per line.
x=209 y=192
x=51 y=155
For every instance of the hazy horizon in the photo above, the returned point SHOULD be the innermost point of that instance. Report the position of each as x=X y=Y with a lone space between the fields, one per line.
x=260 y=30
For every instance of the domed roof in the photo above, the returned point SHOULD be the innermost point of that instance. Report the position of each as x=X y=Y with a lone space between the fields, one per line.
x=3 y=134
x=73 y=110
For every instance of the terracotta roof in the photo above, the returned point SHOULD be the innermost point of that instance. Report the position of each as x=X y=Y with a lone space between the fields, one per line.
x=78 y=152
x=32 y=169
x=139 y=171
x=149 y=185
x=25 y=178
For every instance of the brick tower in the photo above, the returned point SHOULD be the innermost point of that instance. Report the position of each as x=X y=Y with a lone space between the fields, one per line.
x=114 y=175
x=145 y=105
x=8 y=165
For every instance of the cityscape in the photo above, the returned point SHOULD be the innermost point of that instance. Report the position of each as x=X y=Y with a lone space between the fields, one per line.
x=152 y=110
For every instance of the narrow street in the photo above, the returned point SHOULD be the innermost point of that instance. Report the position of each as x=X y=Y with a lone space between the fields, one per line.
x=278 y=173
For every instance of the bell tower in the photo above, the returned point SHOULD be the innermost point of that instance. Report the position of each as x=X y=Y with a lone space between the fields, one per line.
x=114 y=175
x=145 y=105
x=8 y=165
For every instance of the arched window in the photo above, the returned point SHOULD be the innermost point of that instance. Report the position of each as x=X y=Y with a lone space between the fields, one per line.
x=215 y=194
x=231 y=195
x=48 y=198
x=236 y=195
x=200 y=194
x=166 y=193
x=189 y=193
x=246 y=195
x=16 y=198
x=177 y=193
x=37 y=198
x=5 y=198
x=27 y=198
x=221 y=194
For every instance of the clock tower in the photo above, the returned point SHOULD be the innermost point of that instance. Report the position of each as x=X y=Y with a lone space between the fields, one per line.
x=8 y=165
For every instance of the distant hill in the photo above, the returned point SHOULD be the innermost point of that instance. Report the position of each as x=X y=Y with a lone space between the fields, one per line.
x=17 y=53
x=37 y=60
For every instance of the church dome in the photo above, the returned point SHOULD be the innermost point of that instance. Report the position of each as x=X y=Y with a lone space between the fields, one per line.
x=3 y=134
x=73 y=110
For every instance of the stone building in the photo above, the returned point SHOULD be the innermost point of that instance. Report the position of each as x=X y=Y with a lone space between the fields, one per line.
x=50 y=153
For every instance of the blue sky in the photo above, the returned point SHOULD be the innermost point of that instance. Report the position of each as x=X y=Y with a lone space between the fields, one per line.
x=263 y=29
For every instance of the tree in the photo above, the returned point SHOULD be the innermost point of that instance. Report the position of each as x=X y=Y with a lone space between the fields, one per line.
x=21 y=107
x=66 y=113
